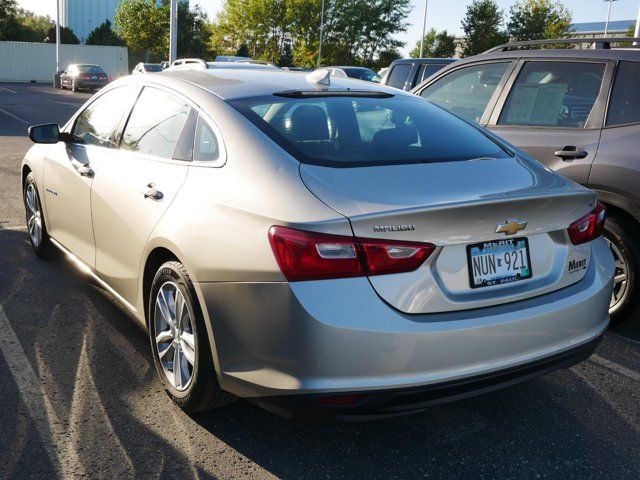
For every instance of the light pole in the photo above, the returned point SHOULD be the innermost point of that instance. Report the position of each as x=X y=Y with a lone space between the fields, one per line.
x=173 y=31
x=321 y=32
x=57 y=36
x=636 y=33
x=606 y=25
x=424 y=27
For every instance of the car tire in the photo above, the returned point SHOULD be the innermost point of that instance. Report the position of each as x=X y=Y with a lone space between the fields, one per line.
x=624 y=240
x=193 y=386
x=36 y=226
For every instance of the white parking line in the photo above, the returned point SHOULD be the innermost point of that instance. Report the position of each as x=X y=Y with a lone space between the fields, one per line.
x=15 y=228
x=52 y=434
x=26 y=122
x=616 y=367
x=8 y=89
x=69 y=103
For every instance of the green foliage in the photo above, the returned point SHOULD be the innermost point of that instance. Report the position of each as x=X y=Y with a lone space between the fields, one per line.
x=632 y=30
x=7 y=8
x=243 y=51
x=385 y=58
x=66 y=36
x=144 y=26
x=24 y=26
x=538 y=19
x=104 y=35
x=355 y=31
x=436 y=45
x=482 y=27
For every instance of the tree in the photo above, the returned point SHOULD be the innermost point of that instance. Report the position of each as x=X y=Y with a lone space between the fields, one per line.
x=104 y=35
x=7 y=8
x=144 y=27
x=66 y=36
x=385 y=58
x=436 y=45
x=538 y=19
x=355 y=31
x=25 y=26
x=482 y=27
x=243 y=51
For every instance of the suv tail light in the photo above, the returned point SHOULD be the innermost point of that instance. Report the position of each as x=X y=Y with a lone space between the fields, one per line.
x=588 y=227
x=305 y=255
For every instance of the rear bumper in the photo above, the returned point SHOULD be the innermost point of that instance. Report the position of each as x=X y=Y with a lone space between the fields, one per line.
x=336 y=336
x=91 y=83
x=388 y=403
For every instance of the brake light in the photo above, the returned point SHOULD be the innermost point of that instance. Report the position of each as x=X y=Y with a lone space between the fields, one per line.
x=589 y=227
x=305 y=255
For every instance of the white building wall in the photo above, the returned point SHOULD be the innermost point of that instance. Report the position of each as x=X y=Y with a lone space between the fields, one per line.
x=23 y=62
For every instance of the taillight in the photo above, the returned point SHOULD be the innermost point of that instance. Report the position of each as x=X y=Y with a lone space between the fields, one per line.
x=303 y=255
x=588 y=227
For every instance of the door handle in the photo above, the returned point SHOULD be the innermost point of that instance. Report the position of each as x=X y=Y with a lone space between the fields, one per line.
x=152 y=193
x=86 y=171
x=571 y=153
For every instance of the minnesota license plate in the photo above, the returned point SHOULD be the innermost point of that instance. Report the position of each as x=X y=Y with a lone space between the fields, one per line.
x=498 y=262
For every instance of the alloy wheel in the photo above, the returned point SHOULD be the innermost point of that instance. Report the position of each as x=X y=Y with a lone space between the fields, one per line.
x=174 y=336
x=620 y=287
x=34 y=214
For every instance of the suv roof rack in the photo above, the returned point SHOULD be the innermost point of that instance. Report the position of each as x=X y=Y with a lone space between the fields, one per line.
x=600 y=43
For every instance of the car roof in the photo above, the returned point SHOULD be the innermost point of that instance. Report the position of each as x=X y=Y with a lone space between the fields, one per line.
x=233 y=83
x=347 y=66
x=598 y=54
x=424 y=60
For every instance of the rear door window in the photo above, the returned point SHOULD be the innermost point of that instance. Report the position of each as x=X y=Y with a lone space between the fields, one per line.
x=624 y=106
x=467 y=91
x=156 y=123
x=553 y=94
x=399 y=74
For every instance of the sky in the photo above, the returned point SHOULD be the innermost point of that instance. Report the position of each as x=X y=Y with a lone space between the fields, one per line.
x=441 y=14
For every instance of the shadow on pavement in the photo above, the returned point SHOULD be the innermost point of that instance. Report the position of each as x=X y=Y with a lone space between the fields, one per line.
x=96 y=368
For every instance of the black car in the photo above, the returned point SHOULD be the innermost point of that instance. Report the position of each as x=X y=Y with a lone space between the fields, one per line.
x=83 y=76
x=409 y=72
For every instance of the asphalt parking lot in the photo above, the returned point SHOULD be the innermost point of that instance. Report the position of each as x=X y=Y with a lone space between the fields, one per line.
x=80 y=396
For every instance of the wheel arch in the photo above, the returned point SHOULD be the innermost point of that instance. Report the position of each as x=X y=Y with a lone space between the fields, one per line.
x=158 y=254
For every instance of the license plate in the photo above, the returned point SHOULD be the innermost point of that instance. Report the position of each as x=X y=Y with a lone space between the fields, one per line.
x=94 y=78
x=498 y=262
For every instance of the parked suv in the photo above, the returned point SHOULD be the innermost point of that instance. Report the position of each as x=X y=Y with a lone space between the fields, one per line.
x=576 y=111
x=406 y=73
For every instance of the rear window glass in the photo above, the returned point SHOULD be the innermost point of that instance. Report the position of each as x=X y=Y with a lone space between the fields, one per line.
x=399 y=74
x=625 y=99
x=354 y=131
x=90 y=69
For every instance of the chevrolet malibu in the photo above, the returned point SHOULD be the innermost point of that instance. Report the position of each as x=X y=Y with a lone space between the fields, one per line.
x=325 y=247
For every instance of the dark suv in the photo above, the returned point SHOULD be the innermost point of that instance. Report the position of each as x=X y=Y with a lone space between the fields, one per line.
x=406 y=73
x=576 y=111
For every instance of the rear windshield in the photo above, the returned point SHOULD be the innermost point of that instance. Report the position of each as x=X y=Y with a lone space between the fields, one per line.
x=354 y=131
x=152 y=67
x=90 y=69
x=362 y=74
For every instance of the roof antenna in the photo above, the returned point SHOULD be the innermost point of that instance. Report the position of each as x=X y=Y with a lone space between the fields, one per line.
x=321 y=77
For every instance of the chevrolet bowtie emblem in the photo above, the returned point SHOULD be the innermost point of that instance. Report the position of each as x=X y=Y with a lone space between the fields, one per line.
x=511 y=226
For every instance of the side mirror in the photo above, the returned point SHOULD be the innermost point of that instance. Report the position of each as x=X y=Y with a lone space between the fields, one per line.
x=47 y=133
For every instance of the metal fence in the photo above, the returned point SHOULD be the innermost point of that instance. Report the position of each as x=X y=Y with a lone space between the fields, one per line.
x=25 y=62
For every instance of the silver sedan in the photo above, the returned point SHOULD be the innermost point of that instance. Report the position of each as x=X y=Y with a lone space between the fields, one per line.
x=325 y=247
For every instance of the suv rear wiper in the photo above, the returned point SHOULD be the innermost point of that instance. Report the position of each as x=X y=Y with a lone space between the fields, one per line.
x=334 y=93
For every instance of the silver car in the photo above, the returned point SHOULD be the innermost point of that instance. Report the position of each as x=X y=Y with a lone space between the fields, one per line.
x=324 y=247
